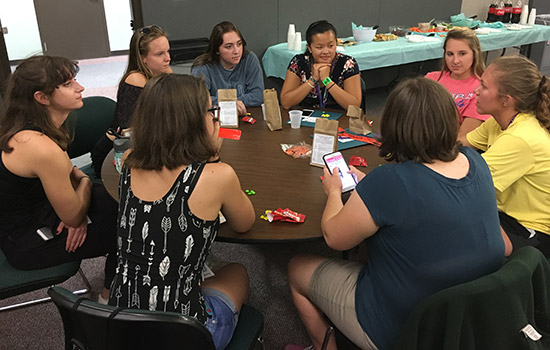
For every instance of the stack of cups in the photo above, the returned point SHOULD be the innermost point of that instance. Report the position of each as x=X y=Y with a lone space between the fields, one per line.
x=297 y=42
x=290 y=36
x=532 y=17
x=524 y=14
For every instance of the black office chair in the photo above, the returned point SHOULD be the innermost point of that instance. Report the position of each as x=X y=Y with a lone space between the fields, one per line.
x=15 y=282
x=89 y=326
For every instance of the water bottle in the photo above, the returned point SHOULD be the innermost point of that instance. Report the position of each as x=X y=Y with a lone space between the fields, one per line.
x=120 y=145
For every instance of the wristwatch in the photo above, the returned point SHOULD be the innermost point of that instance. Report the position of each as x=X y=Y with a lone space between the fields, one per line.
x=327 y=81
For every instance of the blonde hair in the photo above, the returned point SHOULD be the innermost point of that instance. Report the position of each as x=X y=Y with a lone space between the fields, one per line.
x=468 y=35
x=520 y=78
x=139 y=48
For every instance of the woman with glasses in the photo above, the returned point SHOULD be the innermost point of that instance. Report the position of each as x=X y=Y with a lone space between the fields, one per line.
x=172 y=188
x=322 y=77
x=148 y=57
x=50 y=213
x=227 y=64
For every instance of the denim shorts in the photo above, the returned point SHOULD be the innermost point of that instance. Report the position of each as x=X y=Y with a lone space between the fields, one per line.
x=223 y=316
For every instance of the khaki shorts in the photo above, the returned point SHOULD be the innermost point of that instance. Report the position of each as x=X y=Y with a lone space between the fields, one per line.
x=332 y=290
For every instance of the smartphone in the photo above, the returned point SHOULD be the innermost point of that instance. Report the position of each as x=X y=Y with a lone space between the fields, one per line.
x=307 y=112
x=45 y=233
x=336 y=160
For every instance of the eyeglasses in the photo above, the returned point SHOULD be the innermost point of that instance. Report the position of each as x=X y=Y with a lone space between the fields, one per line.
x=149 y=29
x=215 y=111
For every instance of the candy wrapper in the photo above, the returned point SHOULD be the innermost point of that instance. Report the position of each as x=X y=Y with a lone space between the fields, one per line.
x=285 y=215
x=300 y=150
x=357 y=161
x=249 y=119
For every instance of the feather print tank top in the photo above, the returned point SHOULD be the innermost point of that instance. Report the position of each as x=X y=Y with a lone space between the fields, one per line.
x=162 y=247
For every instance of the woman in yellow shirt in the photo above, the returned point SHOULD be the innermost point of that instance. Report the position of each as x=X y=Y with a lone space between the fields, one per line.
x=516 y=142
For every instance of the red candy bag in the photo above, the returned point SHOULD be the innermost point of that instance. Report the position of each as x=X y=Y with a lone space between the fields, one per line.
x=286 y=215
x=357 y=161
x=249 y=120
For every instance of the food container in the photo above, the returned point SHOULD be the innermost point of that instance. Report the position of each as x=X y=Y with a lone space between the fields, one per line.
x=424 y=26
x=399 y=30
x=364 y=35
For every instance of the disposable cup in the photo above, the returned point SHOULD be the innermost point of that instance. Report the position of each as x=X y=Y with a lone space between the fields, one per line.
x=295 y=119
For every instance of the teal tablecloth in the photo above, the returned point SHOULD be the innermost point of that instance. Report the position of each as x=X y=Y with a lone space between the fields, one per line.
x=392 y=53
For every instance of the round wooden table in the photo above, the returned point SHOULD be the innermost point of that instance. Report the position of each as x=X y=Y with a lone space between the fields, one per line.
x=279 y=180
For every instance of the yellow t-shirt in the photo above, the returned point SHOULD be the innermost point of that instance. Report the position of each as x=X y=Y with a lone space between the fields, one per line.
x=519 y=160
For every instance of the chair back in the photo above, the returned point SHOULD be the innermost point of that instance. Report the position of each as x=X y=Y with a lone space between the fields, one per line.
x=89 y=123
x=487 y=313
x=90 y=326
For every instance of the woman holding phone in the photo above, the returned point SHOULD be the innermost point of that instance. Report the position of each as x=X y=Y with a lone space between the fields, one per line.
x=322 y=77
x=402 y=211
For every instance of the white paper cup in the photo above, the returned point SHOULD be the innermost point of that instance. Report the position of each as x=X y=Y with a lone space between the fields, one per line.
x=263 y=110
x=295 y=119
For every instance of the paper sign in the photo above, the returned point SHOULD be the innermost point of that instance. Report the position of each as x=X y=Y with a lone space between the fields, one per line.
x=322 y=144
x=228 y=113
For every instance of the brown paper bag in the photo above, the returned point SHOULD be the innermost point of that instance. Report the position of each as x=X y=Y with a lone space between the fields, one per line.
x=325 y=140
x=272 y=110
x=227 y=101
x=358 y=122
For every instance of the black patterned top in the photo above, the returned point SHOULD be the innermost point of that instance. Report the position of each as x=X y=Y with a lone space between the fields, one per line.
x=126 y=100
x=162 y=247
x=343 y=67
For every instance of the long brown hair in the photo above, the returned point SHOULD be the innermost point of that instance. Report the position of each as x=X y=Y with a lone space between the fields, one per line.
x=168 y=126
x=468 y=35
x=419 y=123
x=37 y=73
x=216 y=40
x=520 y=78
x=139 y=48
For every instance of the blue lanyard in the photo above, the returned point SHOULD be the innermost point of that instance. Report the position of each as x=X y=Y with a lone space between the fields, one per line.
x=323 y=100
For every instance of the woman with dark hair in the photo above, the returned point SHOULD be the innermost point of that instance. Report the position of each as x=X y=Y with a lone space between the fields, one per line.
x=227 y=64
x=516 y=142
x=148 y=57
x=412 y=216
x=322 y=77
x=172 y=188
x=44 y=200
x=460 y=74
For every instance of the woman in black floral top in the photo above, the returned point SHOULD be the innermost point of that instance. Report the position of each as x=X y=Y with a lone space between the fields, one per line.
x=171 y=191
x=322 y=77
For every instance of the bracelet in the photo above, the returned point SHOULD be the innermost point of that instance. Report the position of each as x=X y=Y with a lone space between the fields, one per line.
x=311 y=86
x=327 y=81
x=313 y=80
x=330 y=87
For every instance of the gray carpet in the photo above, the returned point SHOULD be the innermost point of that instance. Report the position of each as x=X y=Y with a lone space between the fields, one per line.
x=40 y=326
